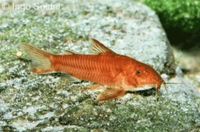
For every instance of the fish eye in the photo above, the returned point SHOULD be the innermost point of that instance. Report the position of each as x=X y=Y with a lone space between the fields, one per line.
x=138 y=72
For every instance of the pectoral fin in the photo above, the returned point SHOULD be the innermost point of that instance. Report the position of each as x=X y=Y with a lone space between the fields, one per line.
x=94 y=87
x=111 y=93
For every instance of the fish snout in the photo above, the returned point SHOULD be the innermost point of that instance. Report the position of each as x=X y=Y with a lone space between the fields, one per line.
x=159 y=84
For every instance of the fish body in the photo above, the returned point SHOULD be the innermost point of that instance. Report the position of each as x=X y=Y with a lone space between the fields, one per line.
x=118 y=73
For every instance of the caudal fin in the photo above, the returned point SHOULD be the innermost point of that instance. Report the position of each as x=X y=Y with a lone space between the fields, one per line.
x=41 y=60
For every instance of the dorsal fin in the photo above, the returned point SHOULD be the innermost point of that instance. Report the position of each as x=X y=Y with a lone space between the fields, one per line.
x=100 y=48
x=69 y=53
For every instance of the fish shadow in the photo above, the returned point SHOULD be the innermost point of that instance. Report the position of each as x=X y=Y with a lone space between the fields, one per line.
x=148 y=92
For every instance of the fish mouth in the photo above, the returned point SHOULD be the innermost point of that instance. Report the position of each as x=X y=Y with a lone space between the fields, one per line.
x=143 y=87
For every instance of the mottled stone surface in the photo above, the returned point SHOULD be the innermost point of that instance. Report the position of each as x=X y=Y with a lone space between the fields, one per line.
x=54 y=103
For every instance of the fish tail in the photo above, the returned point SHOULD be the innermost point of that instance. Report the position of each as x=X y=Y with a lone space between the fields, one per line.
x=41 y=60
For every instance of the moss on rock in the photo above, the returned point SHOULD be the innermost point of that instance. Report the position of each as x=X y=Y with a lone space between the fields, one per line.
x=181 y=14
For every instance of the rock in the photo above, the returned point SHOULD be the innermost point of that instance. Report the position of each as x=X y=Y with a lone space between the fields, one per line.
x=3 y=106
x=177 y=104
x=127 y=27
x=1 y=69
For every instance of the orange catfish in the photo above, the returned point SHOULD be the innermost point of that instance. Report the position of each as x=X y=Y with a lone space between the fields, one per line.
x=114 y=73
